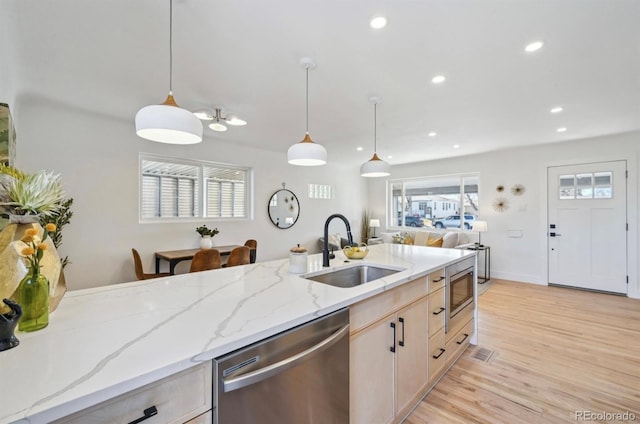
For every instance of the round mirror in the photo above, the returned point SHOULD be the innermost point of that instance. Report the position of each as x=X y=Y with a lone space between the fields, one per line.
x=284 y=208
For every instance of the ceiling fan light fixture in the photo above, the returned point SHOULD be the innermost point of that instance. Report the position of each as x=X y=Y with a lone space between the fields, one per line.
x=375 y=167
x=218 y=126
x=204 y=115
x=168 y=122
x=235 y=121
x=307 y=152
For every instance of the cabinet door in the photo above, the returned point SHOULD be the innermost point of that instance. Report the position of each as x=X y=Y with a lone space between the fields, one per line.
x=371 y=373
x=411 y=358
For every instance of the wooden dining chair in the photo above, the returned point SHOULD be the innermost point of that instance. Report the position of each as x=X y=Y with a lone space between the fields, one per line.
x=241 y=255
x=253 y=244
x=140 y=274
x=205 y=260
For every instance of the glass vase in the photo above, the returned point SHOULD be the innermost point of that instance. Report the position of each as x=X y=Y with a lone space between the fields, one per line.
x=33 y=296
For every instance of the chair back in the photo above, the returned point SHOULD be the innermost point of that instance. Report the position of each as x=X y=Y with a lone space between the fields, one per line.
x=239 y=256
x=205 y=260
x=251 y=243
x=137 y=264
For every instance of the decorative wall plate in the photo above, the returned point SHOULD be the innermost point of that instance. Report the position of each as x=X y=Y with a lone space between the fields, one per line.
x=517 y=189
x=500 y=204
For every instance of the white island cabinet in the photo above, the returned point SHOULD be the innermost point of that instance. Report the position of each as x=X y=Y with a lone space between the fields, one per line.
x=145 y=338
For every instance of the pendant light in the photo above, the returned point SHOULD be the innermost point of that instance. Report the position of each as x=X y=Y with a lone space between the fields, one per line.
x=375 y=167
x=307 y=152
x=168 y=122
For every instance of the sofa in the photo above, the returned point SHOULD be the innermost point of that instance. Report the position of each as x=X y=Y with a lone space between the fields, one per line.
x=429 y=237
x=336 y=242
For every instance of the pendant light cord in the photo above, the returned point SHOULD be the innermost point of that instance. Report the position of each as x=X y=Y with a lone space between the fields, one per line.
x=307 y=68
x=375 y=127
x=170 y=46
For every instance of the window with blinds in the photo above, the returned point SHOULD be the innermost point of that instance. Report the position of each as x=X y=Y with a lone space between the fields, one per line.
x=177 y=189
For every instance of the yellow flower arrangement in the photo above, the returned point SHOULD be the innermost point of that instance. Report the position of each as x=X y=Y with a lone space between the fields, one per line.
x=35 y=246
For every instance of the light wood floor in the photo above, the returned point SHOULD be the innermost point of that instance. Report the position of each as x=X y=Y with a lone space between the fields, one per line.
x=556 y=351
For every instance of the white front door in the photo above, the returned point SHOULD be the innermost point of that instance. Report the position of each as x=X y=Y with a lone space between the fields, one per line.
x=587 y=226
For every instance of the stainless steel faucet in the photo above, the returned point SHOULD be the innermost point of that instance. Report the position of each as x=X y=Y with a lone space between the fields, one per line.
x=325 y=247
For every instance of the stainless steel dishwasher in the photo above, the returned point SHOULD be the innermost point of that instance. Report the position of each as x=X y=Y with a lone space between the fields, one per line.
x=298 y=376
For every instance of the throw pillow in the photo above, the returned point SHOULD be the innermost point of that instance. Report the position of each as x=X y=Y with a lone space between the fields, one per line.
x=421 y=238
x=408 y=240
x=450 y=240
x=435 y=242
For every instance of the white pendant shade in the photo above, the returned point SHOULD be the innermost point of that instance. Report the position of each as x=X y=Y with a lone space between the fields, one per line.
x=375 y=167
x=307 y=153
x=168 y=123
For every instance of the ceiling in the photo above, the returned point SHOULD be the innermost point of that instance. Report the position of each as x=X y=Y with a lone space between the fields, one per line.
x=112 y=57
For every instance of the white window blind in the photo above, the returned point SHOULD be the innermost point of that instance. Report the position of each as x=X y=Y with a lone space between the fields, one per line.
x=171 y=189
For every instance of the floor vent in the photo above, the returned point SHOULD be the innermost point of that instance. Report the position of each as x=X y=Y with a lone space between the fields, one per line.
x=483 y=354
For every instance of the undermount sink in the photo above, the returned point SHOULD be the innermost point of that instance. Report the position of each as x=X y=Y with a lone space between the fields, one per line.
x=352 y=276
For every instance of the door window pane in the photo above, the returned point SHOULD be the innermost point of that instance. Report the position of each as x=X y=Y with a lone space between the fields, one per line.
x=584 y=189
x=603 y=188
x=567 y=187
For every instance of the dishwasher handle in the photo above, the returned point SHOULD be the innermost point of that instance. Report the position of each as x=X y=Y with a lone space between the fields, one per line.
x=280 y=366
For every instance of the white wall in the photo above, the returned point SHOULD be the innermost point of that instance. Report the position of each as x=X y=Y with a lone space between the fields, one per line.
x=525 y=259
x=97 y=157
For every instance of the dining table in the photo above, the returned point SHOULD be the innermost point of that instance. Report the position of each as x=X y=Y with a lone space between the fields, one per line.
x=176 y=256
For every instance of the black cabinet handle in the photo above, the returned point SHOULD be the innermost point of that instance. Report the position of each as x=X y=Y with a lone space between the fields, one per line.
x=440 y=311
x=439 y=354
x=438 y=280
x=148 y=413
x=463 y=339
x=401 y=342
x=393 y=348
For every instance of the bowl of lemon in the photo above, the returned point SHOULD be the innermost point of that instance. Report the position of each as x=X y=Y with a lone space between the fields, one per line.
x=356 y=252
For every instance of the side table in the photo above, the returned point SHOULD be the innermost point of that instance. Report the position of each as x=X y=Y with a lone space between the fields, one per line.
x=487 y=261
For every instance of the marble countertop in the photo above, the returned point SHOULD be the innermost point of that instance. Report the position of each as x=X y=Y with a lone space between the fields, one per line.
x=105 y=341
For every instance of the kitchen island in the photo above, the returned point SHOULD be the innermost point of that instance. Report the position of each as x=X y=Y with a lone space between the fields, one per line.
x=106 y=341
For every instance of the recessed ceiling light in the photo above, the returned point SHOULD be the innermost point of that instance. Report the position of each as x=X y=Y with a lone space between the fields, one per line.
x=562 y=129
x=359 y=148
x=532 y=47
x=378 y=22
x=389 y=157
x=556 y=109
x=456 y=146
x=432 y=134
x=438 y=79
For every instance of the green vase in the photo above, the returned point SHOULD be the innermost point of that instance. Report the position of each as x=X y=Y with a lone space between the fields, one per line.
x=33 y=296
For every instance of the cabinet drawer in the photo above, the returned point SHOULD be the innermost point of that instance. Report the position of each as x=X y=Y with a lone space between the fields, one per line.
x=437 y=355
x=437 y=311
x=370 y=310
x=178 y=398
x=436 y=280
x=458 y=343
x=206 y=418
x=460 y=320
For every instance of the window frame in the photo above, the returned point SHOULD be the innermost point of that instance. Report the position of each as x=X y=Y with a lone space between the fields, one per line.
x=391 y=219
x=200 y=205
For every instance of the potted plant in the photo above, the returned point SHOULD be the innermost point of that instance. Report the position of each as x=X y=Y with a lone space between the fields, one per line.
x=206 y=235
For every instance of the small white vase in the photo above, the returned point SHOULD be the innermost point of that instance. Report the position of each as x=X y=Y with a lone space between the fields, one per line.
x=206 y=242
